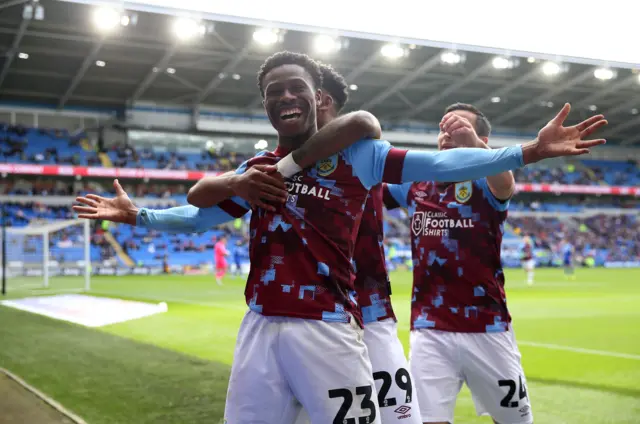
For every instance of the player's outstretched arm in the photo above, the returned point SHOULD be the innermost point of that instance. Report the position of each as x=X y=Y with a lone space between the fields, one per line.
x=375 y=162
x=462 y=132
x=334 y=137
x=120 y=209
x=258 y=186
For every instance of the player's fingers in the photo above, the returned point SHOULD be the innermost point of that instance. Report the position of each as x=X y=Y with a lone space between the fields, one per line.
x=276 y=198
x=270 y=188
x=273 y=180
x=266 y=168
x=86 y=201
x=460 y=131
x=85 y=216
x=562 y=115
x=584 y=144
x=95 y=197
x=263 y=205
x=458 y=124
x=577 y=152
x=593 y=128
x=85 y=209
x=447 y=119
x=119 y=190
x=588 y=122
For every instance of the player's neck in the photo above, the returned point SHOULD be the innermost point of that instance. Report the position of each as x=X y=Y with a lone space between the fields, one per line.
x=287 y=144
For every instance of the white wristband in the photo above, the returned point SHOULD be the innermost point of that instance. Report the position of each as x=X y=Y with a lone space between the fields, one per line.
x=287 y=166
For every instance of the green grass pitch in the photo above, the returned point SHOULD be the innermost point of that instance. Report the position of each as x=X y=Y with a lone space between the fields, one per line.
x=580 y=342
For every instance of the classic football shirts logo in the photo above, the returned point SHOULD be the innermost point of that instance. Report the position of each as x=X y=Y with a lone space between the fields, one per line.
x=436 y=223
x=295 y=187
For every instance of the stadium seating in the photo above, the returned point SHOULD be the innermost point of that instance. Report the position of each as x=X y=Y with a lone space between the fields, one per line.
x=28 y=145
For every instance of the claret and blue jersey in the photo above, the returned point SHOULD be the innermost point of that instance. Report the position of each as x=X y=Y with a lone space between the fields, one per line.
x=456 y=235
x=301 y=254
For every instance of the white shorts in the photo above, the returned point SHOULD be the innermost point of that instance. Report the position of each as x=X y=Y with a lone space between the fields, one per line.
x=395 y=387
x=529 y=264
x=279 y=361
x=489 y=363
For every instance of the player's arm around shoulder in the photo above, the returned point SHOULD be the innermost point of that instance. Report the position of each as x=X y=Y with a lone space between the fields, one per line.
x=259 y=184
x=336 y=136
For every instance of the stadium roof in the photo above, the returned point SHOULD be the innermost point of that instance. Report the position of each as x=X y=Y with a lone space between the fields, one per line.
x=64 y=47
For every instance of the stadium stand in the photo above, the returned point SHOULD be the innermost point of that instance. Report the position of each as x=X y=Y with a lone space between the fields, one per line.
x=606 y=238
x=40 y=146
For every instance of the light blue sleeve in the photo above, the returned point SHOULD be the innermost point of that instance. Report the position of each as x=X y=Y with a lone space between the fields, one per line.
x=372 y=163
x=497 y=204
x=462 y=164
x=190 y=219
x=367 y=158
x=182 y=219
x=400 y=192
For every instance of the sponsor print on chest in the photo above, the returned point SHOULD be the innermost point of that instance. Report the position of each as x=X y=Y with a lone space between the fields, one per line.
x=313 y=183
x=434 y=218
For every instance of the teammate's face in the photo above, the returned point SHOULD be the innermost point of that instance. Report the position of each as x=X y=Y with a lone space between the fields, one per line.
x=326 y=110
x=445 y=142
x=290 y=100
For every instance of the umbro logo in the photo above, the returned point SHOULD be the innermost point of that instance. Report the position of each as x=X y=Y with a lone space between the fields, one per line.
x=403 y=412
x=421 y=194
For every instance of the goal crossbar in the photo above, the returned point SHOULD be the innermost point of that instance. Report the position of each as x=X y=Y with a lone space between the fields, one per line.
x=48 y=228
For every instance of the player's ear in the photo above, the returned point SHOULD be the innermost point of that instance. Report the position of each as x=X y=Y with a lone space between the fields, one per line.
x=318 y=95
x=326 y=102
x=485 y=140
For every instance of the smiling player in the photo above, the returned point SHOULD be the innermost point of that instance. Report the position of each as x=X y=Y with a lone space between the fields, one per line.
x=302 y=304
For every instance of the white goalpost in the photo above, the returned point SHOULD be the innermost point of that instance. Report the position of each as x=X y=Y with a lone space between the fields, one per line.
x=49 y=255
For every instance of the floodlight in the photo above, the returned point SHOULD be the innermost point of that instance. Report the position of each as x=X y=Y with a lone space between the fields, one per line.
x=451 y=57
x=393 y=51
x=266 y=36
x=106 y=18
x=604 y=74
x=325 y=44
x=551 y=68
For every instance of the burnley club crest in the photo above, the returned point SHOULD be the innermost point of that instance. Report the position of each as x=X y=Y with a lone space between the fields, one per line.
x=327 y=166
x=464 y=191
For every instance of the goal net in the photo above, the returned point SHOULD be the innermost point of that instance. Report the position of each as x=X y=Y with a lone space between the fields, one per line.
x=47 y=255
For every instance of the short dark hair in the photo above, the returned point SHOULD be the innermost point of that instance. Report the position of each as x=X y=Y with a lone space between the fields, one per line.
x=334 y=83
x=290 y=58
x=482 y=125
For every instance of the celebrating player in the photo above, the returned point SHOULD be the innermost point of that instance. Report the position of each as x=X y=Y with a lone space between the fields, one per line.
x=396 y=392
x=300 y=293
x=459 y=319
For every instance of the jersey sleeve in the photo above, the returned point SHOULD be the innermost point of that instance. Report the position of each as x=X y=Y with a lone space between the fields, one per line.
x=182 y=219
x=375 y=161
x=497 y=204
x=237 y=206
x=396 y=195
x=190 y=219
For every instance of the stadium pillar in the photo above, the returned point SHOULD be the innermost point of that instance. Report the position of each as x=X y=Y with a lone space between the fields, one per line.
x=195 y=115
x=4 y=250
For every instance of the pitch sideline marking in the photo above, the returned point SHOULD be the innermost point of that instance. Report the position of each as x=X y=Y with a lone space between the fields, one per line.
x=55 y=405
x=581 y=350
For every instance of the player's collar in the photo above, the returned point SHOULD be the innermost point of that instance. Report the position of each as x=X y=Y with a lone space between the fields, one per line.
x=281 y=151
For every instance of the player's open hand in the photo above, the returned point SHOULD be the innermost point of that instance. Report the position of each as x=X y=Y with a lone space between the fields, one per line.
x=460 y=130
x=556 y=140
x=262 y=186
x=118 y=209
